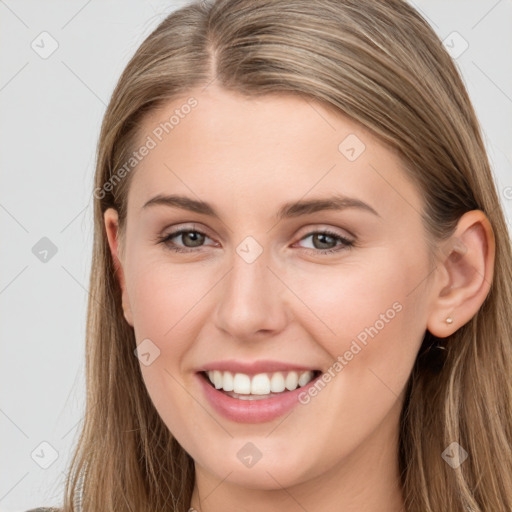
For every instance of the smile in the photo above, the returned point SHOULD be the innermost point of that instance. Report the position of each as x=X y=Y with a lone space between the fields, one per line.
x=259 y=386
x=254 y=398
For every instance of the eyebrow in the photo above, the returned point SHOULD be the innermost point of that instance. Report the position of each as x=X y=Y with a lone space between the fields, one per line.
x=288 y=210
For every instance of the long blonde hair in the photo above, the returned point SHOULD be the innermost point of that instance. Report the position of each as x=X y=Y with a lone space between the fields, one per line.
x=381 y=64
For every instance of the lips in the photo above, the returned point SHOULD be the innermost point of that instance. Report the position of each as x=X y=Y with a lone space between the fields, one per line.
x=251 y=408
x=254 y=367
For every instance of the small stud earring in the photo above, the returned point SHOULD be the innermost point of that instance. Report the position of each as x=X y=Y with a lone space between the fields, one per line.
x=449 y=320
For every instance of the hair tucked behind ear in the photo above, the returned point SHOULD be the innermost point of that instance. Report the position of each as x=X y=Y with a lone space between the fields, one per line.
x=380 y=63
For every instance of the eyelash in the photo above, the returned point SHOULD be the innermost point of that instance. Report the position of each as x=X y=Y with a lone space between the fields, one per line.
x=347 y=244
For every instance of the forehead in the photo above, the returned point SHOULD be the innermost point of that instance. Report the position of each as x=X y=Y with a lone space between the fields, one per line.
x=273 y=148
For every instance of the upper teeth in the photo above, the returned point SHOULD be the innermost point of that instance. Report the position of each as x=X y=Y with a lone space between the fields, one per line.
x=260 y=384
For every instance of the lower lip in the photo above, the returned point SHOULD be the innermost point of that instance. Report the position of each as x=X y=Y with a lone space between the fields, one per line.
x=252 y=411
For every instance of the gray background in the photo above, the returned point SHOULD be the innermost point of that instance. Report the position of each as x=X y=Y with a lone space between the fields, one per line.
x=52 y=109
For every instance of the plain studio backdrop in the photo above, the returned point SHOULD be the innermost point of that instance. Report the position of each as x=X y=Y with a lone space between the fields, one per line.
x=60 y=62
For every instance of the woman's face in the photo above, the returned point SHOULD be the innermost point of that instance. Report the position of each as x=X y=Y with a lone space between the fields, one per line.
x=254 y=291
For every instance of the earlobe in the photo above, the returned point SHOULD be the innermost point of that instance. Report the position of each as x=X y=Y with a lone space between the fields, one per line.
x=467 y=270
x=111 y=220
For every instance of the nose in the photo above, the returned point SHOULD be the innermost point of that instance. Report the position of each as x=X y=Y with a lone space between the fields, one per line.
x=251 y=299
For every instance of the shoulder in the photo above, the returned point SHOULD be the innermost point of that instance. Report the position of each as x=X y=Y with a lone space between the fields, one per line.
x=44 y=509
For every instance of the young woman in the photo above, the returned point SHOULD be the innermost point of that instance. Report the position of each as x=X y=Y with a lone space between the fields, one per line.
x=301 y=277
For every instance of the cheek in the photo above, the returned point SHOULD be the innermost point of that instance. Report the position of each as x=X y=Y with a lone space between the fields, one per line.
x=164 y=300
x=369 y=318
x=341 y=301
x=370 y=324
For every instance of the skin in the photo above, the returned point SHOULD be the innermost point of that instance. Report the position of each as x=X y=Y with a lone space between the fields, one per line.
x=247 y=157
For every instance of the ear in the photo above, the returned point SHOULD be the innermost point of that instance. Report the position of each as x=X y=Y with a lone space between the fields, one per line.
x=465 y=274
x=112 y=228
